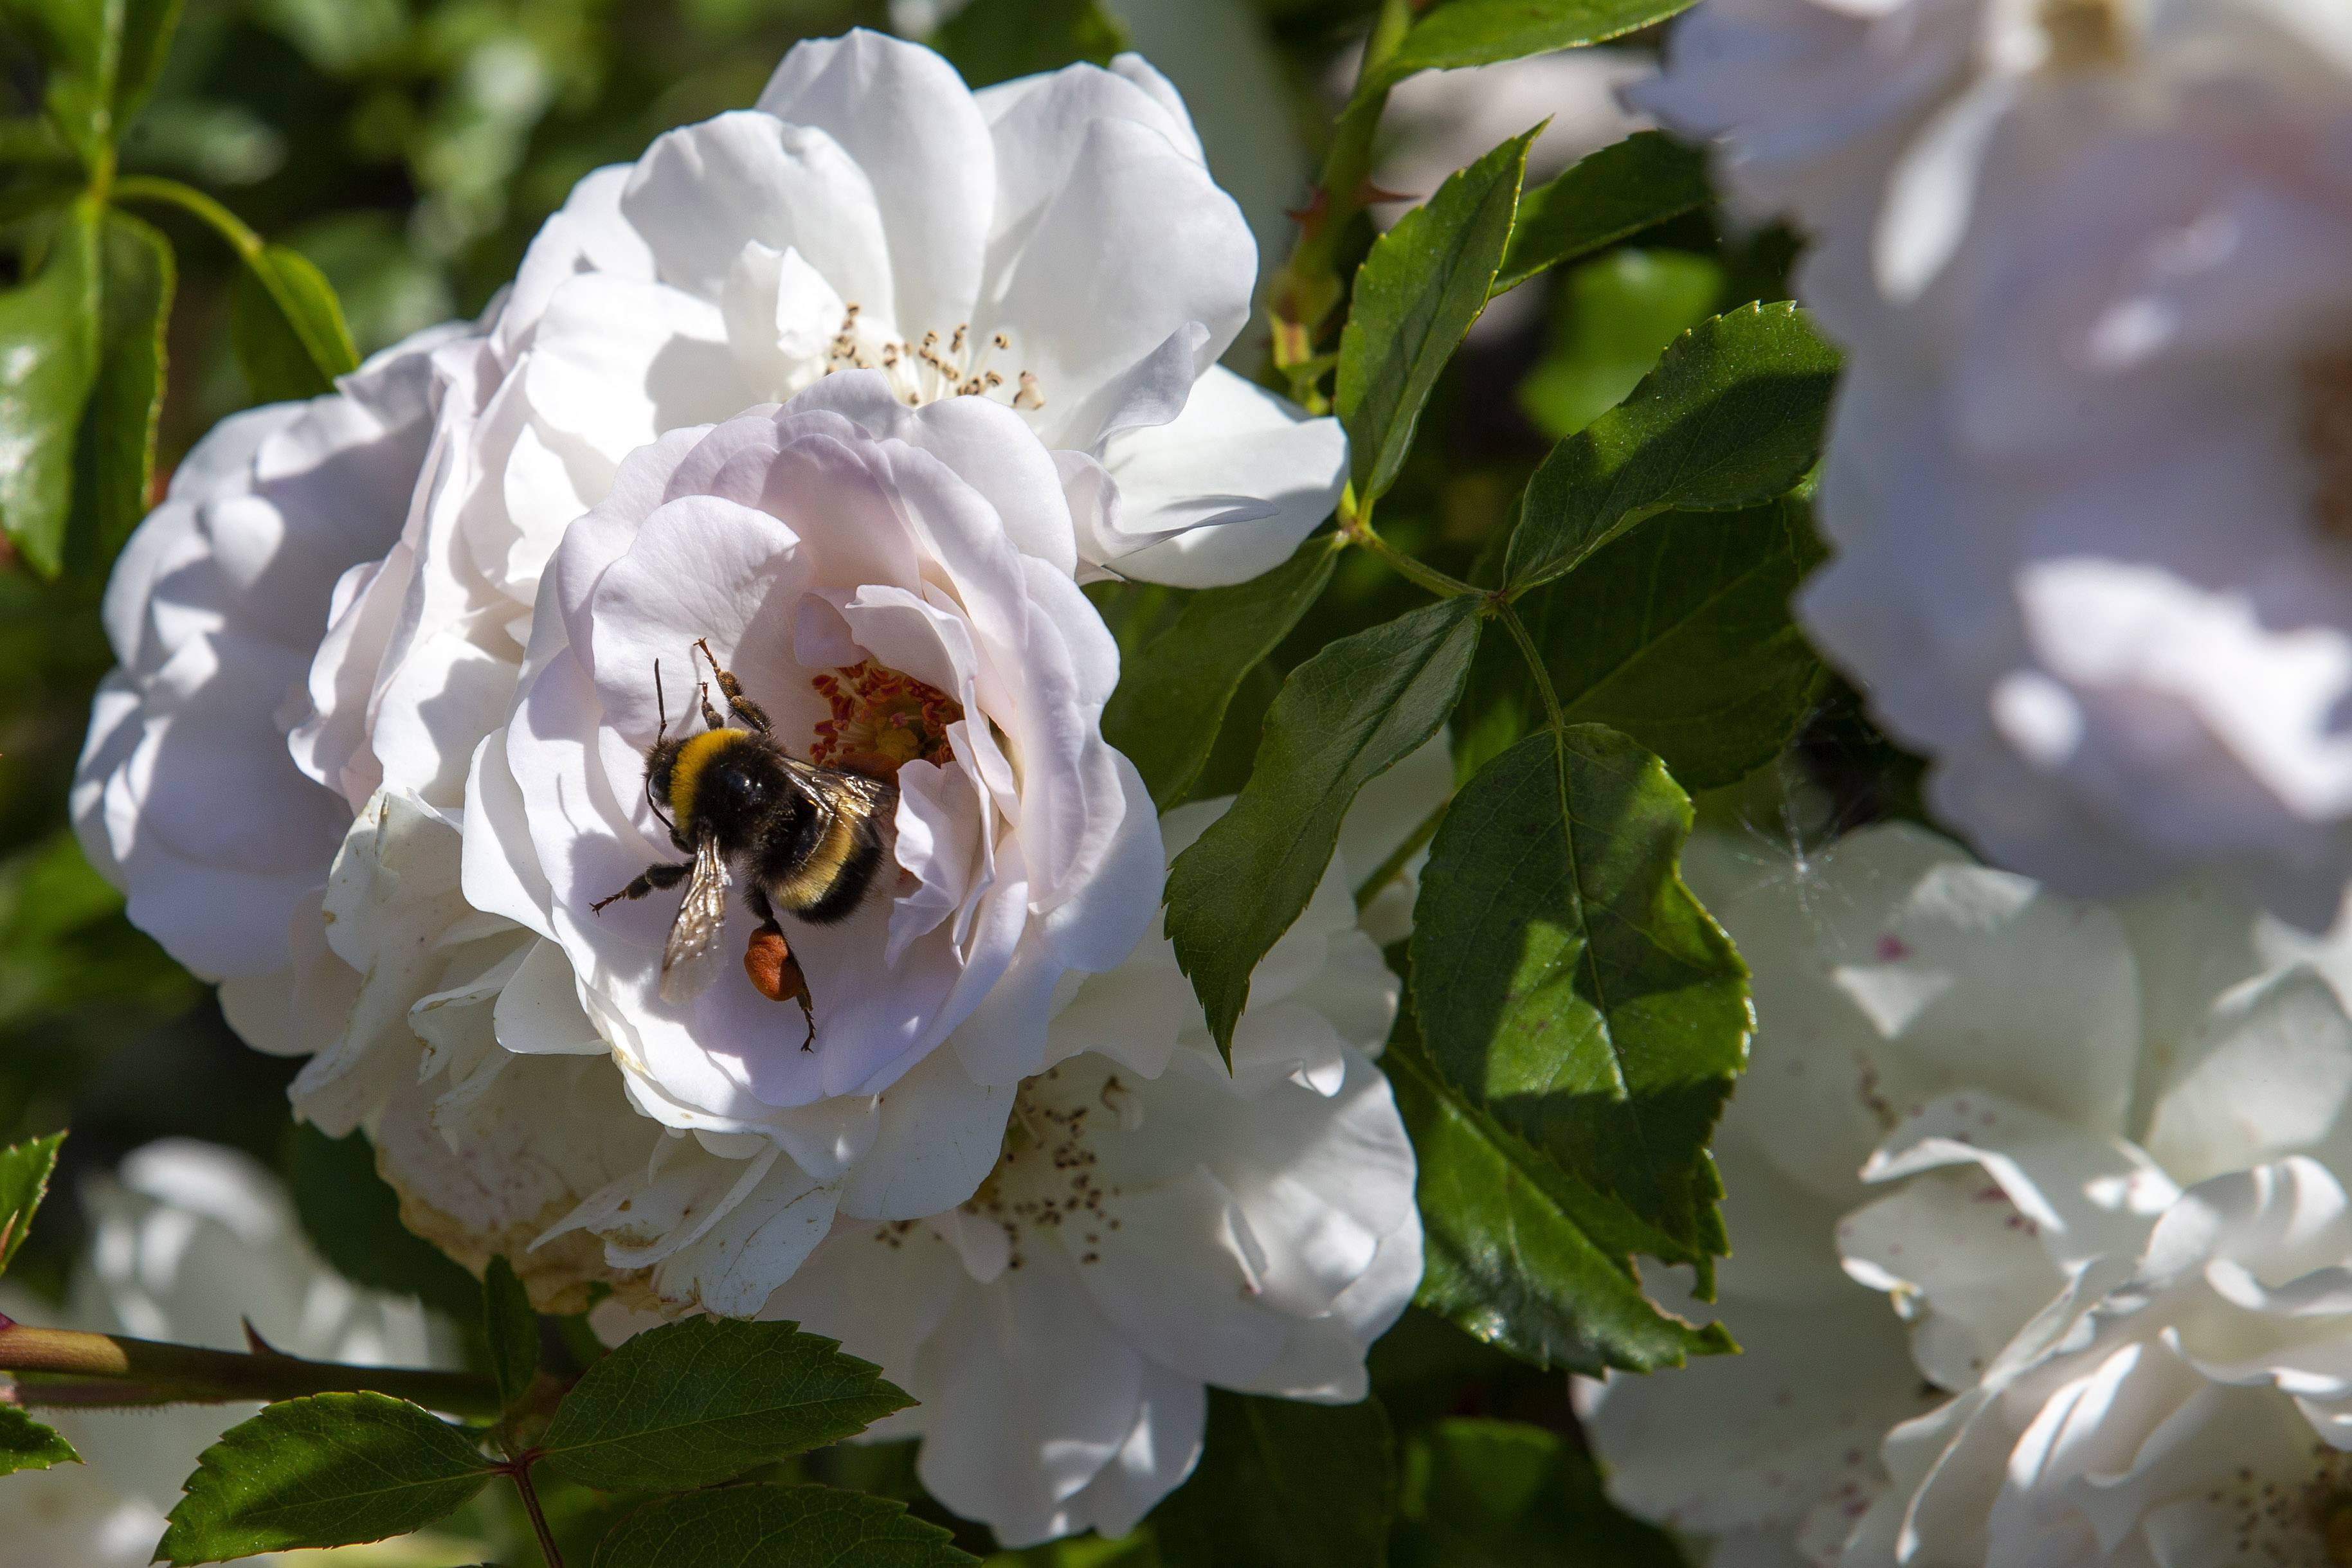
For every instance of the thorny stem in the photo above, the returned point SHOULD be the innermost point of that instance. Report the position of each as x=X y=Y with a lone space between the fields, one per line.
x=112 y=1369
x=1356 y=527
x=518 y=1471
x=1307 y=289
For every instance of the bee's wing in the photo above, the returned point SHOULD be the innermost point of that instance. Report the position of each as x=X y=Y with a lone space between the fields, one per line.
x=690 y=958
x=842 y=792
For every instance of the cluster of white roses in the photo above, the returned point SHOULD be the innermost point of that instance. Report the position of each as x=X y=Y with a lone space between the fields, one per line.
x=2090 y=1162
x=2087 y=489
x=858 y=387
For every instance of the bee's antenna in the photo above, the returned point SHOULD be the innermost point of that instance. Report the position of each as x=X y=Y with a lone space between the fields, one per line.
x=661 y=706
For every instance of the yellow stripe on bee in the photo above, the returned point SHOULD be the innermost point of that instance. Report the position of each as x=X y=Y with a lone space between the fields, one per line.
x=692 y=757
x=814 y=877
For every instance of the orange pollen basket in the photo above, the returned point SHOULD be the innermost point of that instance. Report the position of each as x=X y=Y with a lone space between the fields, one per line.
x=882 y=719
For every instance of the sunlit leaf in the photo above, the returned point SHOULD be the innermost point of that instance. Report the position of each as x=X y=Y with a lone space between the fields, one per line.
x=1568 y=984
x=1679 y=634
x=697 y=1401
x=1416 y=295
x=26 y=1445
x=1611 y=320
x=48 y=359
x=1480 y=32
x=291 y=341
x=1344 y=717
x=1517 y=1252
x=25 y=1171
x=1731 y=418
x=1604 y=197
x=328 y=1470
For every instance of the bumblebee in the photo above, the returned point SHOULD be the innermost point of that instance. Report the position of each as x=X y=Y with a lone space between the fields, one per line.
x=808 y=840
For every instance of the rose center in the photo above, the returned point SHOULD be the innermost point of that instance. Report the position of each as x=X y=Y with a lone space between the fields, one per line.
x=964 y=365
x=1048 y=1178
x=2326 y=433
x=882 y=719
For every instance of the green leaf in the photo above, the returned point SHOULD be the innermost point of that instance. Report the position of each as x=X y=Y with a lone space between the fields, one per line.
x=1517 y=1252
x=1416 y=295
x=1500 y=1494
x=1613 y=320
x=25 y=1171
x=513 y=1329
x=1604 y=197
x=1344 y=717
x=48 y=359
x=80 y=43
x=991 y=41
x=147 y=29
x=1731 y=418
x=328 y=1470
x=114 y=453
x=1285 y=1484
x=290 y=338
x=1172 y=694
x=1678 y=634
x=352 y=1216
x=1480 y=32
x=698 y=1401
x=26 y=1445
x=778 y=1527
x=1566 y=980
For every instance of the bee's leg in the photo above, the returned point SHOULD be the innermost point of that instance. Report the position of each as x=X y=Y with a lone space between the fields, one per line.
x=768 y=959
x=654 y=877
x=754 y=716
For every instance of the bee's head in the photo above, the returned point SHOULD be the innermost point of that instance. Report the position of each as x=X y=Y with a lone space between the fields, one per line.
x=661 y=767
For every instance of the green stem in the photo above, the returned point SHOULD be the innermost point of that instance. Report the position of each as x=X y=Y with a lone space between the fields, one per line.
x=1510 y=619
x=520 y=1473
x=1307 y=289
x=1393 y=867
x=228 y=225
x=1356 y=528
x=147 y=1372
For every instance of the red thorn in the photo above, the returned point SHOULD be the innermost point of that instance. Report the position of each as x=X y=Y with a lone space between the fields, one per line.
x=254 y=1342
x=7 y=1323
x=1368 y=192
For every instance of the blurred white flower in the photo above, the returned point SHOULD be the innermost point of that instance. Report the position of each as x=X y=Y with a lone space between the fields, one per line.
x=189 y=1242
x=2186 y=1408
x=2043 y=1076
x=1150 y=1223
x=2087 y=487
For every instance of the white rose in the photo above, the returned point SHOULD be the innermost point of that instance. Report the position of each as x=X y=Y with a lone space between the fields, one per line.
x=2043 y=1076
x=1150 y=1224
x=2187 y=1409
x=189 y=1242
x=1069 y=215
x=185 y=798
